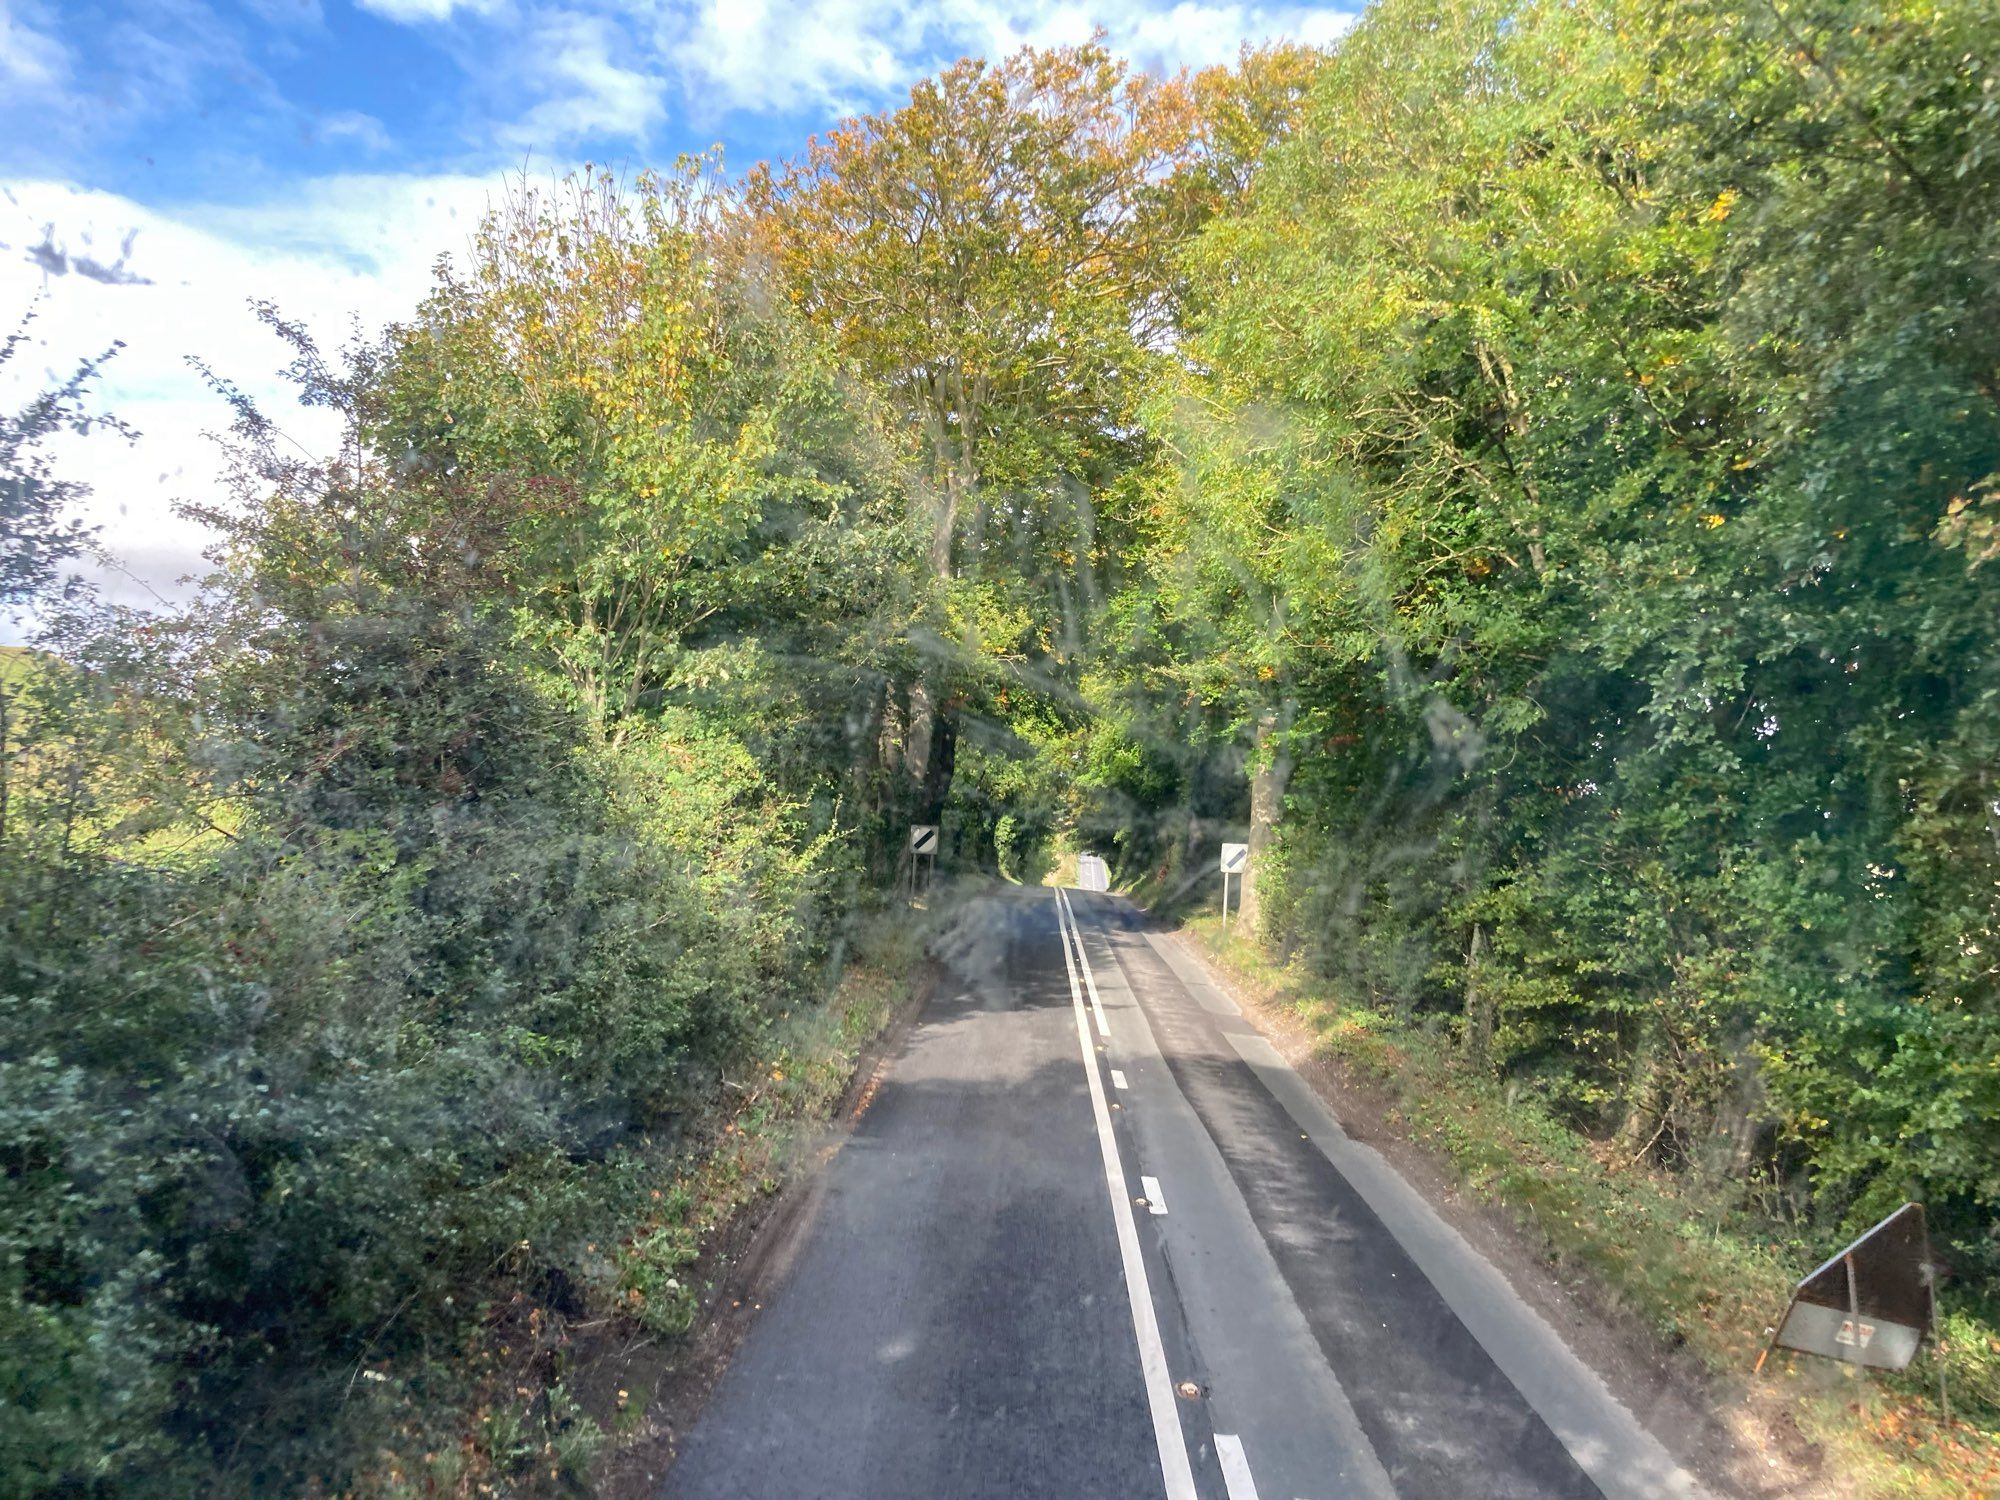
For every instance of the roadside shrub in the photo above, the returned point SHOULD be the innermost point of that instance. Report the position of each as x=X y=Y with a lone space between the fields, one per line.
x=341 y=972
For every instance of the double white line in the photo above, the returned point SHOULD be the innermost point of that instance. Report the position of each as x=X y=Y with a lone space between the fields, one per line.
x=1174 y=1467
x=1072 y=932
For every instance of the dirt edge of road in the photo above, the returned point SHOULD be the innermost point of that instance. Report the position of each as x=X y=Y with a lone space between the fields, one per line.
x=742 y=1263
x=1667 y=1388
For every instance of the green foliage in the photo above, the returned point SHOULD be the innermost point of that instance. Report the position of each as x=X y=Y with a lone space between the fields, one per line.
x=1589 y=438
x=369 y=930
x=269 y=1114
x=1550 y=450
x=659 y=464
x=38 y=530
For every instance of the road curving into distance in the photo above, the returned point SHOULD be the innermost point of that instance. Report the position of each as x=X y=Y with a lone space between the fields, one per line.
x=1095 y=1238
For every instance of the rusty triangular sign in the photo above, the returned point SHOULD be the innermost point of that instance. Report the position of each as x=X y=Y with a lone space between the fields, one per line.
x=1872 y=1303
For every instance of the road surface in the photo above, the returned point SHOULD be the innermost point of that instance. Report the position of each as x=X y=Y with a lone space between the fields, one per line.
x=1095 y=1238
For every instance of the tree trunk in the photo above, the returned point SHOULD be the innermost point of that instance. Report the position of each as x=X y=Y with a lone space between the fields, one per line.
x=1270 y=773
x=931 y=752
x=933 y=734
x=3 y=764
x=1739 y=1117
x=1478 y=1039
x=950 y=418
x=917 y=734
x=935 y=787
x=874 y=743
x=1645 y=1096
x=944 y=526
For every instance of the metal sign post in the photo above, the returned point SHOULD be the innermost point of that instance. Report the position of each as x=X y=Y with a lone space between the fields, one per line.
x=1871 y=1304
x=1235 y=860
x=923 y=845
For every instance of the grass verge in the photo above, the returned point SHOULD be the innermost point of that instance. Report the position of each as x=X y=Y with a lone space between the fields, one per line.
x=1698 y=1274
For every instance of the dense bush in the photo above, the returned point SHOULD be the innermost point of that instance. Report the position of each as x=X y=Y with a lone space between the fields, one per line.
x=293 y=1057
x=368 y=927
x=1588 y=468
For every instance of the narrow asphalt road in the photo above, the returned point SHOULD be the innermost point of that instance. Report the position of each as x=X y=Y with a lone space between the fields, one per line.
x=1095 y=1238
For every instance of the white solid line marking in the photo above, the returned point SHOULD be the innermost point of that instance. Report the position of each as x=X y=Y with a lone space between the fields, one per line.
x=1235 y=1467
x=1175 y=1470
x=1117 y=1079
x=1155 y=1199
x=1089 y=979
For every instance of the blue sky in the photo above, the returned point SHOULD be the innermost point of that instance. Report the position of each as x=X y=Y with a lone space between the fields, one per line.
x=164 y=161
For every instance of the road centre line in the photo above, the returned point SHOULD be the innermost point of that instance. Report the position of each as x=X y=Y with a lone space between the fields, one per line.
x=1235 y=1467
x=1175 y=1471
x=1090 y=980
x=1155 y=1199
x=1117 y=1079
x=1360 y=1468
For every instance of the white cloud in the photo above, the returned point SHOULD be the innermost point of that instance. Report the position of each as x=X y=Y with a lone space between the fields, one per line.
x=332 y=250
x=784 y=56
x=288 y=13
x=572 y=59
x=411 y=12
x=597 y=70
x=32 y=61
x=352 y=125
x=1195 y=35
x=762 y=56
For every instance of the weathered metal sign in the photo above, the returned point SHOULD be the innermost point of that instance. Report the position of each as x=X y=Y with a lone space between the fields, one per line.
x=923 y=838
x=1235 y=858
x=1871 y=1304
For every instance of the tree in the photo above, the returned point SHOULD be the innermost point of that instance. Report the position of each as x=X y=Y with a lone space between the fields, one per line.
x=989 y=254
x=1585 y=414
x=352 y=974
x=667 y=470
x=39 y=530
x=994 y=255
x=999 y=257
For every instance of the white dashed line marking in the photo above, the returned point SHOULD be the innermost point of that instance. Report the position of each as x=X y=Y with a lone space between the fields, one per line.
x=1155 y=1199
x=1235 y=1467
